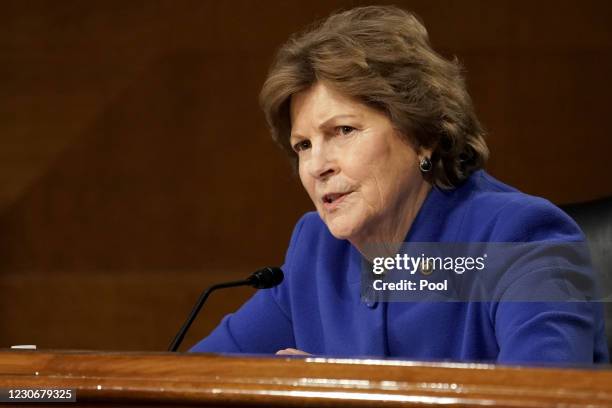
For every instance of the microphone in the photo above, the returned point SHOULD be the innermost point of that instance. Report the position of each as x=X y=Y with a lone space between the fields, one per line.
x=265 y=278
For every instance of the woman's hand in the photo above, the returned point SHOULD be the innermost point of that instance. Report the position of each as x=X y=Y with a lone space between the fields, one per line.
x=292 y=352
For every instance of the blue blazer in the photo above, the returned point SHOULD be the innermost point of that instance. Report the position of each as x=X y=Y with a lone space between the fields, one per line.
x=318 y=308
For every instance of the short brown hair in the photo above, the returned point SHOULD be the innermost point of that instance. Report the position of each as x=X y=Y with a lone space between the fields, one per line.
x=381 y=56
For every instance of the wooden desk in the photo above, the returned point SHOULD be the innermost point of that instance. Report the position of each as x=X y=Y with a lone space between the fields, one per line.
x=129 y=379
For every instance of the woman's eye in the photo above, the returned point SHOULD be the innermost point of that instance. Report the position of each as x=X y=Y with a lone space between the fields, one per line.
x=345 y=130
x=301 y=145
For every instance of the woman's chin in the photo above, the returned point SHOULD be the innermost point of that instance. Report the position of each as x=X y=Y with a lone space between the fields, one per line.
x=345 y=223
x=342 y=230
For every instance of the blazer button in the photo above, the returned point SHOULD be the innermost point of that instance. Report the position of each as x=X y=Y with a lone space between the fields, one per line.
x=371 y=304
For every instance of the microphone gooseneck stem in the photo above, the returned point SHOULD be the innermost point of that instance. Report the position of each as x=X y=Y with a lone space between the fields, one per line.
x=196 y=309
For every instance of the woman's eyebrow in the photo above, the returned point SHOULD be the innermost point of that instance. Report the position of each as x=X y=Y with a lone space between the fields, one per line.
x=326 y=123
x=334 y=118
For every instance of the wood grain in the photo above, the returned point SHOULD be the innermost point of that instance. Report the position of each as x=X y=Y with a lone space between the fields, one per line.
x=116 y=379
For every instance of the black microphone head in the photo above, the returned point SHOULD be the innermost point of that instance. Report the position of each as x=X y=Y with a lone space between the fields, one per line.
x=267 y=277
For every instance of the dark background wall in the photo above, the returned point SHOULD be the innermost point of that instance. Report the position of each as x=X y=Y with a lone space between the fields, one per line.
x=136 y=167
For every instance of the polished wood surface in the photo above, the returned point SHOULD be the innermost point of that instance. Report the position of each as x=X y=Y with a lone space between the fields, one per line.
x=117 y=379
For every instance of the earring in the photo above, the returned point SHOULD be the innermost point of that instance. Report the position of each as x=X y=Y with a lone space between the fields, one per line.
x=425 y=165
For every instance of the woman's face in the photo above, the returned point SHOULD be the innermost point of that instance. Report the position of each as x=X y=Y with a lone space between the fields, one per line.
x=362 y=176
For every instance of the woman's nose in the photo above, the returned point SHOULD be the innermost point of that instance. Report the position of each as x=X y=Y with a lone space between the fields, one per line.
x=322 y=162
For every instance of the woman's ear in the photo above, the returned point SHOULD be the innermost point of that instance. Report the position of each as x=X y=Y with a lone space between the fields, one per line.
x=424 y=152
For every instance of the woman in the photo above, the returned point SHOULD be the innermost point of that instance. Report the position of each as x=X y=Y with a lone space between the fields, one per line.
x=388 y=147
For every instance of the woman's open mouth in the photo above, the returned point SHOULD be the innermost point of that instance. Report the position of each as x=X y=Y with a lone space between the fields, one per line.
x=332 y=200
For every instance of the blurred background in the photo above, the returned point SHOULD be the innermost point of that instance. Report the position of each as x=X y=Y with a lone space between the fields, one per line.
x=136 y=167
